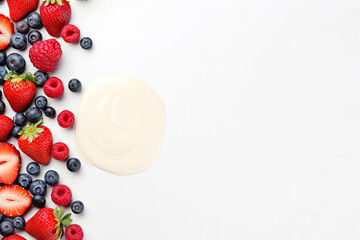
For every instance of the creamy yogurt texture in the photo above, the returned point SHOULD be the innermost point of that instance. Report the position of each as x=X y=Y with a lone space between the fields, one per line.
x=120 y=125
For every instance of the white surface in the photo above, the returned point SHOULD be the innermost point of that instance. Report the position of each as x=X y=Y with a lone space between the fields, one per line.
x=262 y=137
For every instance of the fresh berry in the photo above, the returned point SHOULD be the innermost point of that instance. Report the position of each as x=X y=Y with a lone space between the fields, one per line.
x=38 y=187
x=41 y=77
x=33 y=168
x=16 y=62
x=50 y=112
x=74 y=232
x=34 y=36
x=73 y=165
x=18 y=41
x=22 y=27
x=24 y=180
x=55 y=15
x=10 y=163
x=20 y=8
x=19 y=119
x=6 y=228
x=61 y=195
x=15 y=131
x=74 y=85
x=3 y=73
x=54 y=88
x=41 y=102
x=51 y=177
x=6 y=126
x=14 y=200
x=86 y=43
x=33 y=115
x=45 y=55
x=2 y=107
x=19 y=222
x=77 y=207
x=3 y=56
x=66 y=119
x=70 y=33
x=34 y=20
x=48 y=224
x=6 y=31
x=36 y=142
x=14 y=237
x=2 y=216
x=60 y=151
x=38 y=201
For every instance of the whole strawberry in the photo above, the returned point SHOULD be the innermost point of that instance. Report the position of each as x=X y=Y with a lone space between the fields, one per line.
x=6 y=125
x=19 y=90
x=55 y=15
x=45 y=55
x=20 y=8
x=14 y=237
x=47 y=224
x=36 y=141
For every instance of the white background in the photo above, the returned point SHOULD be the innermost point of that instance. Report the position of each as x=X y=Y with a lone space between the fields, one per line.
x=263 y=111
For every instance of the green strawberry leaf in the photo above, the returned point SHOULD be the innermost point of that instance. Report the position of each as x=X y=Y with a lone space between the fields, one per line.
x=10 y=74
x=66 y=222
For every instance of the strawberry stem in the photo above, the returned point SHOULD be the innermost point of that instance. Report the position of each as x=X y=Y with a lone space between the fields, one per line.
x=61 y=222
x=32 y=131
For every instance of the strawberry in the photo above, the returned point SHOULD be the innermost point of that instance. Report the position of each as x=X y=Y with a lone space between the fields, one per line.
x=55 y=15
x=14 y=200
x=47 y=224
x=10 y=161
x=36 y=141
x=6 y=125
x=19 y=90
x=20 y=8
x=6 y=31
x=14 y=237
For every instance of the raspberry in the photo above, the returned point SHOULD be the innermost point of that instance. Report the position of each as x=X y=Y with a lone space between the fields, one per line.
x=45 y=55
x=70 y=33
x=54 y=88
x=66 y=119
x=60 y=151
x=61 y=195
x=74 y=232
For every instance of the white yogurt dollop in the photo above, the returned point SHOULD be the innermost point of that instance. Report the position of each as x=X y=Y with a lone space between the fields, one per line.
x=120 y=125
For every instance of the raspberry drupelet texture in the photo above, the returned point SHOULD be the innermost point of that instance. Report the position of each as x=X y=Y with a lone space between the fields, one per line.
x=45 y=55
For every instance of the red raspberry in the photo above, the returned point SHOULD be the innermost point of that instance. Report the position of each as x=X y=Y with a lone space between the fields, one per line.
x=60 y=151
x=74 y=232
x=61 y=195
x=66 y=119
x=53 y=87
x=45 y=55
x=70 y=33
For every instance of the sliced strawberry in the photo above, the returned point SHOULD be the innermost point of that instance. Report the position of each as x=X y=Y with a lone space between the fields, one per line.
x=14 y=200
x=6 y=31
x=10 y=161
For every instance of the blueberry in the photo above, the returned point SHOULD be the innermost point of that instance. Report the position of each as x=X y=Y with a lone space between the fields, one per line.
x=34 y=36
x=38 y=187
x=2 y=216
x=19 y=119
x=34 y=20
x=33 y=168
x=41 y=77
x=51 y=177
x=6 y=228
x=24 y=180
x=2 y=58
x=74 y=85
x=15 y=131
x=41 y=102
x=33 y=114
x=18 y=41
x=38 y=201
x=22 y=27
x=86 y=43
x=19 y=222
x=3 y=72
x=73 y=164
x=77 y=207
x=16 y=62
x=2 y=107
x=50 y=112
